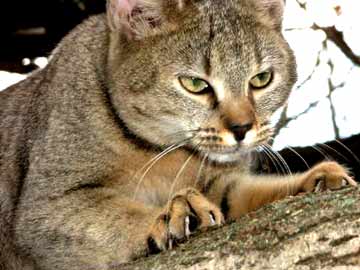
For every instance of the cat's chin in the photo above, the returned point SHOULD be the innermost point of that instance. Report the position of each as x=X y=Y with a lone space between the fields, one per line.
x=229 y=158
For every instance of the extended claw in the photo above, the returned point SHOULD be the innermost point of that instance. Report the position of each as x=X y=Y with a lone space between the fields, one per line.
x=344 y=183
x=320 y=186
x=170 y=243
x=187 y=227
x=212 y=219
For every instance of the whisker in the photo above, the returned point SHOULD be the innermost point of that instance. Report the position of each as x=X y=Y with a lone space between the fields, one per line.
x=347 y=149
x=179 y=173
x=154 y=160
x=332 y=149
x=327 y=157
x=276 y=158
x=288 y=184
x=259 y=159
x=264 y=149
x=161 y=153
x=200 y=170
x=282 y=160
x=296 y=153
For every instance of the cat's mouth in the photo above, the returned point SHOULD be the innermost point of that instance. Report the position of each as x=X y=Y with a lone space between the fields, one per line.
x=222 y=146
x=220 y=153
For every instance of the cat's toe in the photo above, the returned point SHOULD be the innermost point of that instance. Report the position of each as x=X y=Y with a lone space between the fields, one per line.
x=327 y=175
x=187 y=212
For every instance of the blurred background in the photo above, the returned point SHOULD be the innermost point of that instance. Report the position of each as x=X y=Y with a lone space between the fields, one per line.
x=321 y=119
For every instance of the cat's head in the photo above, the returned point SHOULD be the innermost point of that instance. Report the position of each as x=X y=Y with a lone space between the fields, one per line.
x=204 y=73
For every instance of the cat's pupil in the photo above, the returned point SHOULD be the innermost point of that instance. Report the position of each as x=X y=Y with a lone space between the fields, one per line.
x=197 y=83
x=264 y=76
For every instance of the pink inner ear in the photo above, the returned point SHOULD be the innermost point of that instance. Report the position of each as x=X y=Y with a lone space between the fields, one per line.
x=125 y=7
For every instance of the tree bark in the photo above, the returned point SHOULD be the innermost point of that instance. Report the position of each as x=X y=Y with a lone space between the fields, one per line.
x=314 y=231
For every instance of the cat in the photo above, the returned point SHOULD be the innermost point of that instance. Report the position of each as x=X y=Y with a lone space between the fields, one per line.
x=140 y=131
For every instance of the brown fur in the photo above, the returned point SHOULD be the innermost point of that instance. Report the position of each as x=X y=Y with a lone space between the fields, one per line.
x=74 y=137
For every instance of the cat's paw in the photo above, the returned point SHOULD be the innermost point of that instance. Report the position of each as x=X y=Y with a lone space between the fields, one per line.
x=187 y=211
x=327 y=175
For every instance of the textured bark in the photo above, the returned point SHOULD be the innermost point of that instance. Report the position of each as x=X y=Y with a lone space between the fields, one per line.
x=315 y=231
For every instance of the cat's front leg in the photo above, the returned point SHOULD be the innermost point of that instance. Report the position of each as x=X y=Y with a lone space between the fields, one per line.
x=186 y=211
x=249 y=192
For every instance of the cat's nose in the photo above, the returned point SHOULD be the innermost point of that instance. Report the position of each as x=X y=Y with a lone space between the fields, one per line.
x=239 y=130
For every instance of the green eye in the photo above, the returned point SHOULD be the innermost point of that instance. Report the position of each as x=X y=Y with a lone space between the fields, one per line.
x=261 y=80
x=194 y=85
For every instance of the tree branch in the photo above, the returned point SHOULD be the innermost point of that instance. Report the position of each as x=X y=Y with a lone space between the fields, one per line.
x=285 y=120
x=316 y=231
x=338 y=38
x=335 y=36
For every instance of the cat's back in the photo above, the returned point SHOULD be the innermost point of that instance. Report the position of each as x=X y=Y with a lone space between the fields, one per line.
x=25 y=112
x=27 y=103
x=15 y=98
x=15 y=117
x=16 y=103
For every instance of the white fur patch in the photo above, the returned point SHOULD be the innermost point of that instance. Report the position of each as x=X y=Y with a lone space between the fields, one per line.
x=227 y=158
x=228 y=138
x=250 y=138
x=219 y=89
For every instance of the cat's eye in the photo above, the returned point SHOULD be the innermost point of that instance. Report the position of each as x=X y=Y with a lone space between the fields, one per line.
x=261 y=80
x=194 y=85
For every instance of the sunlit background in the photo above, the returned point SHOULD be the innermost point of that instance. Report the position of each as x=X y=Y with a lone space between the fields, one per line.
x=326 y=98
x=325 y=102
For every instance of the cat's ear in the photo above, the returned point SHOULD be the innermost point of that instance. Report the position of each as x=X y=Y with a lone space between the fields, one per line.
x=133 y=17
x=138 y=18
x=270 y=12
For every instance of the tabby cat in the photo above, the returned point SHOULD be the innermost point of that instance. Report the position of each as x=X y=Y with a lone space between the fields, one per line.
x=140 y=131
